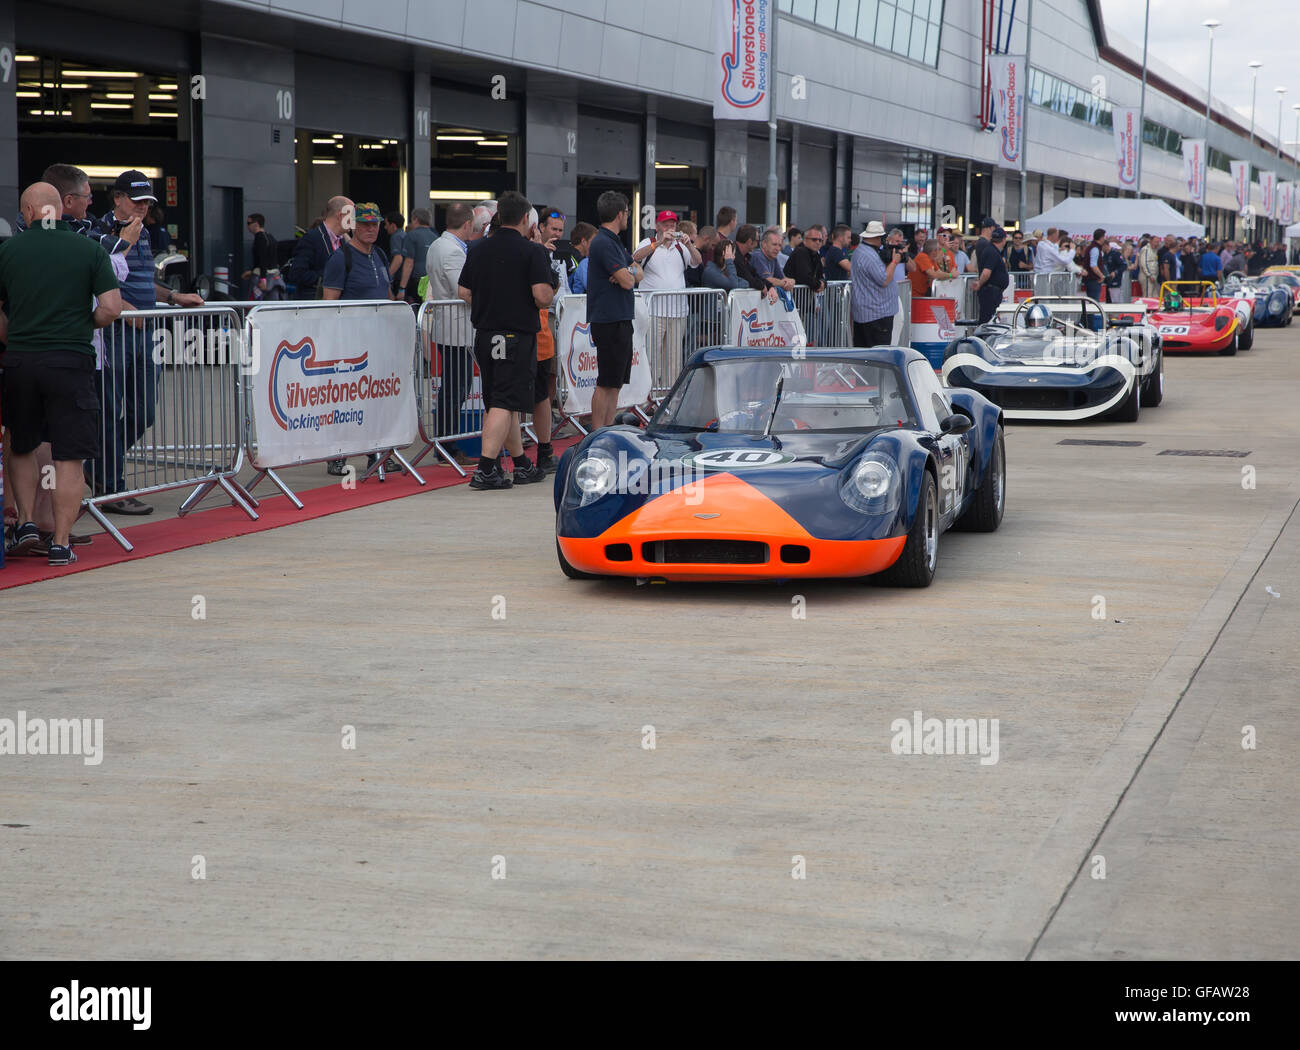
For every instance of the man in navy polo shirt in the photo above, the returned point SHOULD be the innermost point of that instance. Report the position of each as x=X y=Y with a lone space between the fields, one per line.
x=611 y=276
x=130 y=377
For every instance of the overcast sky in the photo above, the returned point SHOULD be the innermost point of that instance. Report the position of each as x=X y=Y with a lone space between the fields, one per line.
x=1265 y=30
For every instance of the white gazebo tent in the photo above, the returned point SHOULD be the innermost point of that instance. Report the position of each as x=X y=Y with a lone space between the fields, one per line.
x=1118 y=216
x=1293 y=231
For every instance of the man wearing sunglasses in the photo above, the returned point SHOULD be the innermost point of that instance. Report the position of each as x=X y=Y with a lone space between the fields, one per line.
x=73 y=185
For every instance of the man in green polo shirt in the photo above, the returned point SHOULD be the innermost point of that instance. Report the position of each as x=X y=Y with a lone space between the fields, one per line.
x=49 y=278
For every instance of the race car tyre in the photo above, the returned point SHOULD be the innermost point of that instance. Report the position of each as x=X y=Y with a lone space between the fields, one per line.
x=1130 y=407
x=915 y=566
x=985 y=512
x=569 y=570
x=1231 y=348
x=1154 y=391
x=1247 y=339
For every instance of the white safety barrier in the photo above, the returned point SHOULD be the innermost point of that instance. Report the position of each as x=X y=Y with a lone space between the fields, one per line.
x=575 y=358
x=336 y=379
x=753 y=321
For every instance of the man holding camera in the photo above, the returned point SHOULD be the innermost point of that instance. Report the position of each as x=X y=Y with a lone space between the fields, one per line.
x=665 y=260
x=874 y=296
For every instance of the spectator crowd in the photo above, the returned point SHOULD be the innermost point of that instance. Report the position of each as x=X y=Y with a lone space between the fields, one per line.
x=77 y=401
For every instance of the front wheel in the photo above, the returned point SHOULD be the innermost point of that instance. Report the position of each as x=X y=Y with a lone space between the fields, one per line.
x=1231 y=348
x=1131 y=406
x=916 y=564
x=990 y=500
x=1247 y=339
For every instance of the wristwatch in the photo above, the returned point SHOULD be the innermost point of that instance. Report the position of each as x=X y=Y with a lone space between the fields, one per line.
x=171 y=298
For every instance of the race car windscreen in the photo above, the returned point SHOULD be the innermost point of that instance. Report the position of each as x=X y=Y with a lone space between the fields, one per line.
x=739 y=396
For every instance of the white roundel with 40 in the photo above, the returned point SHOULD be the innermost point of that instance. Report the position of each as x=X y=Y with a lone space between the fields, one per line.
x=734 y=458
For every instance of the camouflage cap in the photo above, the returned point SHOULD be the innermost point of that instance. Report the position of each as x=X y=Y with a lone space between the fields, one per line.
x=368 y=212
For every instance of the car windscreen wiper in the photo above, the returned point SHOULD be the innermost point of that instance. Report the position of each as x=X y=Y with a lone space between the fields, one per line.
x=776 y=403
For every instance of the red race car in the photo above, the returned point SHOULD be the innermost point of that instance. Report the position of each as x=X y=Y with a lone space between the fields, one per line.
x=1199 y=322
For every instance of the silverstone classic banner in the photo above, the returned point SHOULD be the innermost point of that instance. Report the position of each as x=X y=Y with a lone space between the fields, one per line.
x=334 y=380
x=1194 y=169
x=753 y=321
x=576 y=354
x=1007 y=80
x=1268 y=190
x=1240 y=171
x=742 y=36
x=1126 y=145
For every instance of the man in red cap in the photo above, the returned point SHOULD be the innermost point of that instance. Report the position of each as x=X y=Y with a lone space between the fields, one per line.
x=665 y=260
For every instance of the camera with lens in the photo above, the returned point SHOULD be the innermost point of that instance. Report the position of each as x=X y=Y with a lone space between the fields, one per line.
x=887 y=252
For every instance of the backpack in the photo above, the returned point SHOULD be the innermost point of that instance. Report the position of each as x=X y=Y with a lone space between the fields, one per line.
x=1115 y=267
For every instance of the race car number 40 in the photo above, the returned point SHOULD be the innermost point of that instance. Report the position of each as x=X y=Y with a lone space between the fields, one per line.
x=731 y=458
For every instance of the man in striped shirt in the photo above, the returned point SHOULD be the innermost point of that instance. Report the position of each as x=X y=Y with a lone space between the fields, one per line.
x=130 y=377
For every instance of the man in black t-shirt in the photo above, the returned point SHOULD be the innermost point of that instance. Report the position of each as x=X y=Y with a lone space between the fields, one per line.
x=993 y=278
x=506 y=280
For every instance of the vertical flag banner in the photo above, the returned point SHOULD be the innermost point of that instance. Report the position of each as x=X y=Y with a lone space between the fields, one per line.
x=1194 y=169
x=1126 y=146
x=1007 y=78
x=1268 y=190
x=742 y=71
x=1285 y=199
x=1240 y=170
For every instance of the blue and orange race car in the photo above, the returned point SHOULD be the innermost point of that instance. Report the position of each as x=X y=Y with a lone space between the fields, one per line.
x=782 y=463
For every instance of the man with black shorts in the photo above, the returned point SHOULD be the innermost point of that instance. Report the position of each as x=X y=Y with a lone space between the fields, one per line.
x=610 y=305
x=506 y=280
x=49 y=278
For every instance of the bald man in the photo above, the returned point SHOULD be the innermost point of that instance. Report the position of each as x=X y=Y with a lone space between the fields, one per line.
x=49 y=280
x=314 y=247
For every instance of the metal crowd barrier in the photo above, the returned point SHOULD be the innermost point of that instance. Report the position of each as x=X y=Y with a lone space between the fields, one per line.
x=837 y=316
x=680 y=322
x=444 y=368
x=172 y=412
x=1022 y=280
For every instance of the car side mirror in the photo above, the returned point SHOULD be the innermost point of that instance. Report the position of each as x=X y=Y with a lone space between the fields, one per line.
x=967 y=323
x=957 y=423
x=627 y=419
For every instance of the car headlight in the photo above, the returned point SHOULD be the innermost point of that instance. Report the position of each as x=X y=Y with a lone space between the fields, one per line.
x=1276 y=305
x=872 y=485
x=595 y=475
x=1221 y=322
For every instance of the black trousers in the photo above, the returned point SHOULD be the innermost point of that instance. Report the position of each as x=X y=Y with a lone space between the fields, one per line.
x=873 y=333
x=989 y=299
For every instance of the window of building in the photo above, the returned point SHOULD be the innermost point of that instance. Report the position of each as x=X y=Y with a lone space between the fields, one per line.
x=910 y=28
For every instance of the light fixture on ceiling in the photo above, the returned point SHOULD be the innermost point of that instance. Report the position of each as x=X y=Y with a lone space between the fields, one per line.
x=459 y=195
x=106 y=171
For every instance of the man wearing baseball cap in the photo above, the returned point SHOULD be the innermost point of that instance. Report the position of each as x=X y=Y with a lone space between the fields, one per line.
x=359 y=270
x=129 y=377
x=874 y=295
x=665 y=260
x=986 y=228
x=993 y=277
